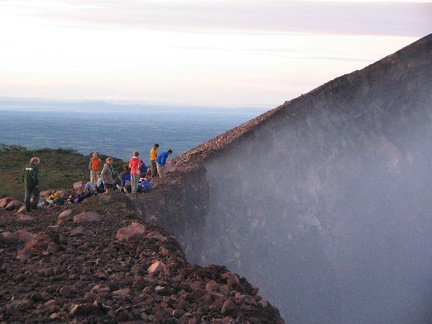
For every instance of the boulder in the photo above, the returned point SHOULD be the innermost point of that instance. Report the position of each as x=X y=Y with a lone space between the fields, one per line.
x=40 y=242
x=22 y=209
x=228 y=307
x=5 y=201
x=14 y=205
x=65 y=213
x=156 y=267
x=231 y=278
x=134 y=230
x=87 y=217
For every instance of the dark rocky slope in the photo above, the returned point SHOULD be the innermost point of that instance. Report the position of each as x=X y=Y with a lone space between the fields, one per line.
x=324 y=202
x=98 y=262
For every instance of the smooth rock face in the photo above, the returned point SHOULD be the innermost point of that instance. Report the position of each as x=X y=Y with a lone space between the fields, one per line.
x=323 y=202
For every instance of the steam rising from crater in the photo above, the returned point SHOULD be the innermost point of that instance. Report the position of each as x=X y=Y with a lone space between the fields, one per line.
x=326 y=203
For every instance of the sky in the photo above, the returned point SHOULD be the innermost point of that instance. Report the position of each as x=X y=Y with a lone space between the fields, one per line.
x=228 y=53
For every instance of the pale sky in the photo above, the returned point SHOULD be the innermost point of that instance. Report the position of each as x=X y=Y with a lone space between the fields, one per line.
x=195 y=52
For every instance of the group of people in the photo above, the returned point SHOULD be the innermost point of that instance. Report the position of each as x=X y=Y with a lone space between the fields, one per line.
x=134 y=177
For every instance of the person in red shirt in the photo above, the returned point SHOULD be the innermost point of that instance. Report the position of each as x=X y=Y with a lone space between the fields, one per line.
x=94 y=167
x=134 y=165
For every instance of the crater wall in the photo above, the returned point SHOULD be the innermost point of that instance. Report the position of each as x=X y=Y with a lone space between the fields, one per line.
x=324 y=202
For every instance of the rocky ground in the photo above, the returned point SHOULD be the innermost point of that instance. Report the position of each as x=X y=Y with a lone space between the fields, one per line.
x=98 y=262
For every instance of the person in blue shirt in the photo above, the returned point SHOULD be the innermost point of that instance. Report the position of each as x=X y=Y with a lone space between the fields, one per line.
x=144 y=185
x=161 y=161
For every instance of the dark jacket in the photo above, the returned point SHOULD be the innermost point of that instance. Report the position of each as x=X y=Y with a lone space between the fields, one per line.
x=30 y=175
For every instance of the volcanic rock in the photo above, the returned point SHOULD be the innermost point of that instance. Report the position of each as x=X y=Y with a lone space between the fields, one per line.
x=13 y=205
x=82 y=272
x=5 y=201
x=87 y=217
x=323 y=202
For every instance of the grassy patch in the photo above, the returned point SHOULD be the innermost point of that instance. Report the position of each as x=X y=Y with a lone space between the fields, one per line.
x=59 y=168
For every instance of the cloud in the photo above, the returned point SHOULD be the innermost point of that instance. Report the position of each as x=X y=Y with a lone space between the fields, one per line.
x=272 y=16
x=192 y=51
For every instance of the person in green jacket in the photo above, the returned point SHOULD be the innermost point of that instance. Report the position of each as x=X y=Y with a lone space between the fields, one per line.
x=30 y=177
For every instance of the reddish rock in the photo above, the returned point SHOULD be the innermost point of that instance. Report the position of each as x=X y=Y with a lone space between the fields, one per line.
x=61 y=276
x=156 y=267
x=207 y=299
x=40 y=241
x=164 y=251
x=134 y=230
x=212 y=286
x=217 y=304
x=22 y=209
x=228 y=307
x=195 y=285
x=5 y=201
x=160 y=289
x=14 y=205
x=231 y=278
x=122 y=292
x=65 y=214
x=87 y=217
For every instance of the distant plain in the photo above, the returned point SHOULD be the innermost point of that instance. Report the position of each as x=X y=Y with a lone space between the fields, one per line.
x=115 y=130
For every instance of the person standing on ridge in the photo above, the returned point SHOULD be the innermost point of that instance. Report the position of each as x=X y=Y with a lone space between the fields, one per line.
x=134 y=165
x=94 y=167
x=161 y=161
x=107 y=175
x=30 y=177
x=153 y=156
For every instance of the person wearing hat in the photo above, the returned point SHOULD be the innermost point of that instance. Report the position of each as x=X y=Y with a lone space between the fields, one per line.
x=30 y=177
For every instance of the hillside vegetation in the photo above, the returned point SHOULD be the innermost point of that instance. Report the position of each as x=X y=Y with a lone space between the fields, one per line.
x=59 y=168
